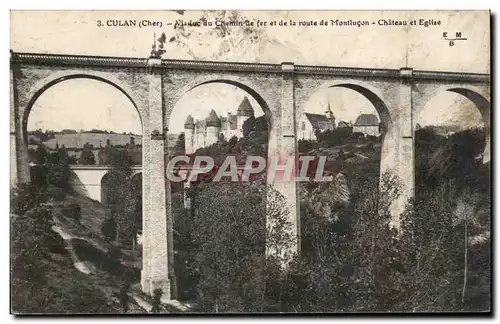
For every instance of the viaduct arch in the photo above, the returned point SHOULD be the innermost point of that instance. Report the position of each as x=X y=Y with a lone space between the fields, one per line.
x=154 y=86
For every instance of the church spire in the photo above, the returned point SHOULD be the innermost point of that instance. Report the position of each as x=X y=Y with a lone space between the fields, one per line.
x=329 y=113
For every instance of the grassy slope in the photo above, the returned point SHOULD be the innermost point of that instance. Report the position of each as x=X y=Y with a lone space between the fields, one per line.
x=86 y=245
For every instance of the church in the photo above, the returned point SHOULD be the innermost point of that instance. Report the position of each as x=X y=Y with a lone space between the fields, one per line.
x=208 y=131
x=368 y=124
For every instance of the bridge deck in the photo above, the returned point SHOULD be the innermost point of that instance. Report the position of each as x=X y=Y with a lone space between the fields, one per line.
x=131 y=62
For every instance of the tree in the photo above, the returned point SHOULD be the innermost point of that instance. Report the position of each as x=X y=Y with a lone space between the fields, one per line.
x=240 y=238
x=31 y=235
x=108 y=229
x=120 y=196
x=232 y=142
x=87 y=157
x=180 y=145
x=38 y=284
x=123 y=296
x=372 y=252
x=56 y=169
x=347 y=261
x=40 y=155
x=157 y=293
x=430 y=250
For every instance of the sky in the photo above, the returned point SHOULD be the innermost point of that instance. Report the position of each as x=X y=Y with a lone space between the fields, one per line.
x=95 y=105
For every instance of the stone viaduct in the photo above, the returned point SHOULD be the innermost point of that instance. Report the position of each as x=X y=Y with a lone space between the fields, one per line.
x=155 y=85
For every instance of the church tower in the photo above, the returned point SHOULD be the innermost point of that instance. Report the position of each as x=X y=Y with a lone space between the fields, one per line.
x=329 y=115
x=213 y=128
x=189 y=135
x=244 y=112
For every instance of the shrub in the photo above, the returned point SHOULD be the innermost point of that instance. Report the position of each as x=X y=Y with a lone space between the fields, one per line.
x=123 y=296
x=306 y=145
x=157 y=293
x=108 y=229
x=26 y=197
x=113 y=264
x=56 y=193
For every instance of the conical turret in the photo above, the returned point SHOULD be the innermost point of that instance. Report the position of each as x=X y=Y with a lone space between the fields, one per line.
x=213 y=120
x=189 y=143
x=245 y=108
x=189 y=124
x=244 y=112
x=213 y=128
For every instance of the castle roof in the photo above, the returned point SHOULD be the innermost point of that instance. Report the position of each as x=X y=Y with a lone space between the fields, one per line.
x=367 y=120
x=213 y=120
x=245 y=108
x=189 y=124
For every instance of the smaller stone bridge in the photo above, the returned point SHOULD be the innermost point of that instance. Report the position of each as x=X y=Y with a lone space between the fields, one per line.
x=87 y=180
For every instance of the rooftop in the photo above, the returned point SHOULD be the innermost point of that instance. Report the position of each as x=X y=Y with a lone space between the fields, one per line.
x=367 y=120
x=213 y=120
x=245 y=108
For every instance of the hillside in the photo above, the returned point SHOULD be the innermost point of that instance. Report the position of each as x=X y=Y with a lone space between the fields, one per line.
x=82 y=272
x=97 y=140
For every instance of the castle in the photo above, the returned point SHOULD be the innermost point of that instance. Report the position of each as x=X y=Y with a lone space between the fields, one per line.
x=202 y=133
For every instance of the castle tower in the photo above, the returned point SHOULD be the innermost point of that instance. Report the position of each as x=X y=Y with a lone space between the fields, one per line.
x=213 y=128
x=244 y=112
x=189 y=135
x=329 y=114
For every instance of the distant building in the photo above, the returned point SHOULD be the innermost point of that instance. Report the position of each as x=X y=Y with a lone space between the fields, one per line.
x=310 y=123
x=367 y=124
x=202 y=133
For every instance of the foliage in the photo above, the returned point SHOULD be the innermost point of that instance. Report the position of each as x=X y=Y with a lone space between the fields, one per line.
x=123 y=296
x=28 y=233
x=180 y=145
x=55 y=193
x=334 y=137
x=120 y=197
x=428 y=245
x=43 y=135
x=38 y=285
x=26 y=197
x=73 y=211
x=307 y=145
x=87 y=156
x=52 y=169
x=437 y=261
x=113 y=260
x=157 y=293
x=108 y=229
x=232 y=239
